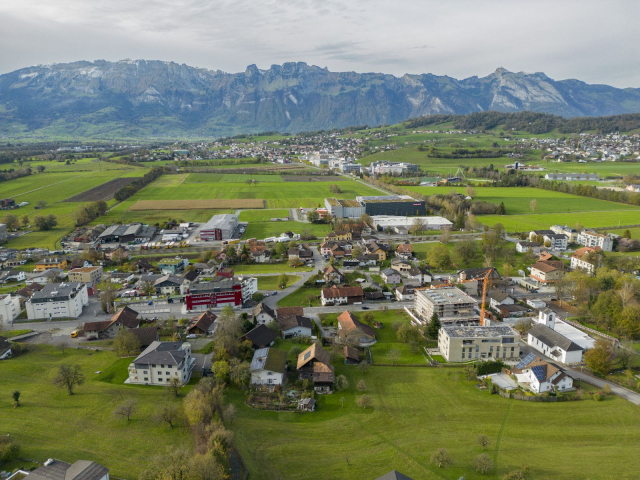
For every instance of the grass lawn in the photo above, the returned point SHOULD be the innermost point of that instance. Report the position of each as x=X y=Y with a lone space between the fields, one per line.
x=417 y=410
x=387 y=339
x=270 y=282
x=268 y=268
x=525 y=223
x=263 y=215
x=13 y=333
x=262 y=230
x=48 y=422
x=232 y=178
x=299 y=297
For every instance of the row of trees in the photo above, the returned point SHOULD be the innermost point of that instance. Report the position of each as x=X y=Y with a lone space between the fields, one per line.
x=87 y=213
x=133 y=187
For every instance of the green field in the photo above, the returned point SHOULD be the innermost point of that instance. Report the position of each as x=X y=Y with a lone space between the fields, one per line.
x=232 y=178
x=262 y=230
x=517 y=200
x=52 y=424
x=525 y=223
x=268 y=268
x=270 y=282
x=263 y=215
x=418 y=410
x=299 y=297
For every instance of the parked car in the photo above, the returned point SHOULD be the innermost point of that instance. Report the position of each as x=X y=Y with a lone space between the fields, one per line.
x=365 y=308
x=192 y=335
x=274 y=293
x=75 y=333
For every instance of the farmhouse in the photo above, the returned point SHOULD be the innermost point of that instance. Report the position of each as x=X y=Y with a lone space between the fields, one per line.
x=315 y=364
x=268 y=367
x=220 y=227
x=341 y=295
x=351 y=355
x=462 y=343
x=58 y=300
x=333 y=275
x=353 y=332
x=553 y=344
x=260 y=337
x=160 y=362
x=450 y=303
x=124 y=318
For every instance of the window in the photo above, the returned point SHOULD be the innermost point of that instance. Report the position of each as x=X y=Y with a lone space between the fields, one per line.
x=161 y=366
x=145 y=372
x=146 y=379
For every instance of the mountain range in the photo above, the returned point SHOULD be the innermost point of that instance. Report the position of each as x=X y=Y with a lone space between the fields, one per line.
x=142 y=99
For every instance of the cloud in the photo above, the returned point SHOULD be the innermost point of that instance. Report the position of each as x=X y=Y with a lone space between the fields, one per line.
x=460 y=38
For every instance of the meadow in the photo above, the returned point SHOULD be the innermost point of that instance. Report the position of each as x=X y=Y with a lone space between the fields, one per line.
x=51 y=424
x=418 y=410
x=600 y=219
x=262 y=230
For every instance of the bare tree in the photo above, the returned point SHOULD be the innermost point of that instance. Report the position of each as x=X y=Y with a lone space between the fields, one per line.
x=441 y=458
x=342 y=399
x=484 y=441
x=533 y=205
x=173 y=387
x=126 y=409
x=68 y=377
x=363 y=366
x=364 y=401
x=483 y=463
x=361 y=386
x=63 y=345
x=168 y=412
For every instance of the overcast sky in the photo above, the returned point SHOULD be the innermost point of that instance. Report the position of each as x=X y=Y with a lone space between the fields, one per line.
x=590 y=40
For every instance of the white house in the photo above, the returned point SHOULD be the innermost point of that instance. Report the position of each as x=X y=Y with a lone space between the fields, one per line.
x=595 y=239
x=536 y=303
x=160 y=362
x=524 y=247
x=580 y=259
x=391 y=276
x=498 y=298
x=9 y=309
x=58 y=300
x=557 y=241
x=268 y=367
x=295 y=326
x=553 y=344
x=404 y=293
x=543 y=376
x=263 y=315
x=12 y=276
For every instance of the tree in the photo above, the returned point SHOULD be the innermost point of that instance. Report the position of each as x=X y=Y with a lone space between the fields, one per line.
x=501 y=209
x=9 y=449
x=341 y=383
x=439 y=257
x=257 y=297
x=519 y=474
x=283 y=279
x=466 y=251
x=523 y=326
x=599 y=358
x=126 y=409
x=417 y=227
x=119 y=255
x=342 y=399
x=506 y=270
x=220 y=370
x=11 y=221
x=368 y=318
x=16 y=399
x=239 y=373
x=313 y=216
x=441 y=458
x=483 y=441
x=25 y=221
x=483 y=463
x=363 y=401
x=69 y=377
x=363 y=366
x=311 y=298
x=393 y=355
x=625 y=354
x=471 y=192
x=126 y=343
x=168 y=413
x=533 y=205
x=173 y=387
x=407 y=333
x=361 y=386
x=434 y=327
x=41 y=204
x=626 y=234
x=44 y=223
x=147 y=288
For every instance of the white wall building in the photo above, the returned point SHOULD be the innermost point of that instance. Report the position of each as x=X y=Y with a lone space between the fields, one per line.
x=553 y=344
x=557 y=241
x=160 y=362
x=58 y=300
x=249 y=287
x=9 y=309
x=543 y=376
x=268 y=367
x=594 y=239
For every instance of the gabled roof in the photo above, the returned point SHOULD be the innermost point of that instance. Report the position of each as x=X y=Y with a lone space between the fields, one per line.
x=191 y=275
x=329 y=269
x=404 y=248
x=351 y=352
x=176 y=280
x=552 y=338
x=146 y=335
x=202 y=321
x=287 y=322
x=315 y=353
x=338 y=292
x=260 y=337
x=350 y=323
x=323 y=373
x=394 y=475
x=284 y=311
x=263 y=308
x=543 y=267
x=80 y=470
x=269 y=359
x=127 y=317
x=164 y=353
x=100 y=326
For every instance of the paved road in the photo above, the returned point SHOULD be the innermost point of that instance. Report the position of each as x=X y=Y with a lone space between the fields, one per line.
x=629 y=395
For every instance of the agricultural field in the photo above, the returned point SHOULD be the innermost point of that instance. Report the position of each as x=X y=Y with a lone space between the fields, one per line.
x=48 y=421
x=232 y=178
x=105 y=192
x=263 y=215
x=55 y=188
x=213 y=204
x=418 y=410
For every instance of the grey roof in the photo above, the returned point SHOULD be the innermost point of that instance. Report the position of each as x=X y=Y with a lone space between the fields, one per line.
x=56 y=292
x=163 y=353
x=223 y=284
x=224 y=221
x=552 y=338
x=287 y=322
x=494 y=331
x=261 y=336
x=394 y=475
x=175 y=279
x=269 y=359
x=121 y=230
x=80 y=470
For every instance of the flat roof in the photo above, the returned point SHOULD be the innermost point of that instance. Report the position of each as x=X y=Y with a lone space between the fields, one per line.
x=350 y=203
x=223 y=221
x=574 y=334
x=446 y=295
x=479 y=332
x=397 y=221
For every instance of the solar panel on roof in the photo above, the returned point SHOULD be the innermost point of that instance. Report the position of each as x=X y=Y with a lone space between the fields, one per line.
x=307 y=355
x=526 y=361
x=538 y=371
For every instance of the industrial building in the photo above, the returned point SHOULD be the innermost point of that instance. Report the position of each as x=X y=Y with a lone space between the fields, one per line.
x=203 y=296
x=135 y=232
x=220 y=227
x=344 y=208
x=402 y=225
x=462 y=343
x=396 y=205
x=452 y=305
x=393 y=168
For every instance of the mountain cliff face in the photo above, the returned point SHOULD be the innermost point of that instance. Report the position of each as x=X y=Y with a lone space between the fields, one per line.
x=164 y=99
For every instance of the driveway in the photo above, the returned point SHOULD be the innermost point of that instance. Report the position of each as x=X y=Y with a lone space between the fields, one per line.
x=203 y=362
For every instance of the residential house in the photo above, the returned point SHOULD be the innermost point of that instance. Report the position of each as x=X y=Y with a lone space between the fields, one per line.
x=391 y=276
x=268 y=367
x=580 y=259
x=143 y=266
x=259 y=253
x=509 y=311
x=315 y=364
x=59 y=470
x=553 y=344
x=594 y=239
x=373 y=248
x=404 y=251
x=285 y=311
x=542 y=376
x=49 y=263
x=351 y=355
x=90 y=275
x=300 y=252
x=173 y=266
x=404 y=293
x=295 y=326
x=190 y=277
x=340 y=235
x=546 y=272
x=420 y=274
x=326 y=246
x=337 y=251
x=160 y=362
x=353 y=332
x=262 y=314
x=367 y=260
x=497 y=298
x=146 y=335
x=12 y=276
x=333 y=275
x=58 y=300
x=260 y=337
x=341 y=295
x=124 y=318
x=524 y=247
x=556 y=241
x=400 y=265
x=350 y=264
x=203 y=324
x=9 y=309
x=168 y=284
x=537 y=235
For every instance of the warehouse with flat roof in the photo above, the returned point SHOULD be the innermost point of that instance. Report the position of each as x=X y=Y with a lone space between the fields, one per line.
x=220 y=227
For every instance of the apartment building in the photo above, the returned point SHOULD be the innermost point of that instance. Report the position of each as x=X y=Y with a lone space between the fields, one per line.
x=58 y=300
x=589 y=238
x=452 y=305
x=160 y=362
x=464 y=343
x=88 y=275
